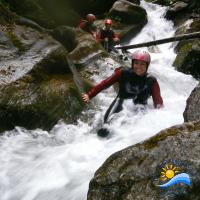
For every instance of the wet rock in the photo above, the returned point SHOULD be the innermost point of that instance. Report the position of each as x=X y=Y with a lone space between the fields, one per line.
x=36 y=85
x=66 y=36
x=129 y=19
x=177 y=8
x=39 y=103
x=29 y=23
x=42 y=96
x=134 y=173
x=187 y=59
x=51 y=14
x=137 y=2
x=21 y=49
x=86 y=49
x=48 y=14
x=6 y=16
x=98 y=7
x=192 y=110
x=128 y=12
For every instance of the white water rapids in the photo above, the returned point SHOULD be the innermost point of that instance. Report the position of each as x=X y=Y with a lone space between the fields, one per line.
x=36 y=165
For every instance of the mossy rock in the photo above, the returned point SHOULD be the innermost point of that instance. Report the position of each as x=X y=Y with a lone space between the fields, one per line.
x=128 y=13
x=134 y=172
x=192 y=110
x=66 y=36
x=46 y=13
x=188 y=58
x=6 y=16
x=34 y=104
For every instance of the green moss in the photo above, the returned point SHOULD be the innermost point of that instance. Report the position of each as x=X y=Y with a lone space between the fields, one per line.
x=16 y=42
x=153 y=141
x=195 y=26
x=183 y=48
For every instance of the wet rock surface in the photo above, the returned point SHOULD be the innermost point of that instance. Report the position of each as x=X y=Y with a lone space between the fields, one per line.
x=36 y=83
x=36 y=88
x=130 y=18
x=192 y=110
x=134 y=172
x=178 y=8
x=188 y=51
x=21 y=49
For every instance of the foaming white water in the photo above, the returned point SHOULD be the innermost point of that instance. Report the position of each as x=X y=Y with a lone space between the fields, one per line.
x=36 y=165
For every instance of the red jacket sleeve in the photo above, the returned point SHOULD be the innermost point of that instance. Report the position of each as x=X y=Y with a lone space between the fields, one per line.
x=81 y=24
x=99 y=36
x=115 y=35
x=105 y=83
x=157 y=99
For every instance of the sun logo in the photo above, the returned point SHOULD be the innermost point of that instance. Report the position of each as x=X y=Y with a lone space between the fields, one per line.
x=168 y=172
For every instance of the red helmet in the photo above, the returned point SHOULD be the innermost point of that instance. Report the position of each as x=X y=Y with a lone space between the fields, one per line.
x=90 y=17
x=108 y=21
x=141 y=55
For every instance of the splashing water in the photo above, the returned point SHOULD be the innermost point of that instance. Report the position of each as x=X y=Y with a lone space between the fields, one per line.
x=36 y=165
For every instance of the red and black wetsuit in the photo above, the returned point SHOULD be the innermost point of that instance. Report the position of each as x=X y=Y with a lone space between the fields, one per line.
x=88 y=27
x=107 y=33
x=131 y=86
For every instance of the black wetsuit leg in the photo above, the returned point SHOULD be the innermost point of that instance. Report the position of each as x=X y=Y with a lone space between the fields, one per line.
x=115 y=107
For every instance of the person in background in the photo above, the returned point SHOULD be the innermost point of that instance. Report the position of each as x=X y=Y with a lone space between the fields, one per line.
x=107 y=37
x=88 y=24
x=134 y=83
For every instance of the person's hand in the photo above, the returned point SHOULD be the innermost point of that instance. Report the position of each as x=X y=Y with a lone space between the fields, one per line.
x=94 y=34
x=159 y=106
x=106 y=39
x=85 y=97
x=116 y=39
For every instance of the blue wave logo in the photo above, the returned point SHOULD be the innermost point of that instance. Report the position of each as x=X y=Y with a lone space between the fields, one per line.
x=180 y=178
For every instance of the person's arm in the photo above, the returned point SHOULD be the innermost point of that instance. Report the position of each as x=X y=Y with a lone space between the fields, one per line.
x=101 y=37
x=157 y=99
x=82 y=24
x=93 y=30
x=115 y=37
x=102 y=85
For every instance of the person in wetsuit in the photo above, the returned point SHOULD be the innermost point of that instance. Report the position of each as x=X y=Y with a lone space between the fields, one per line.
x=107 y=37
x=134 y=83
x=88 y=24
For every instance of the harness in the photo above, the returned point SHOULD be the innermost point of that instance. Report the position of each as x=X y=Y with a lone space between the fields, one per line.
x=132 y=86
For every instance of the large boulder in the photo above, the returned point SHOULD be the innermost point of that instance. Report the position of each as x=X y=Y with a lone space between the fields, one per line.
x=176 y=9
x=180 y=11
x=87 y=48
x=36 y=85
x=66 y=36
x=47 y=13
x=188 y=51
x=81 y=45
x=51 y=14
x=135 y=172
x=129 y=18
x=128 y=13
x=192 y=110
x=21 y=49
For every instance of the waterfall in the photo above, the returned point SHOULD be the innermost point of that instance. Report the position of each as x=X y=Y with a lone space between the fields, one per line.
x=36 y=165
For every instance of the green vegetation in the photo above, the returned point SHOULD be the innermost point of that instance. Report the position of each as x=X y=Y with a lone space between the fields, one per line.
x=16 y=42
